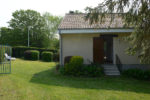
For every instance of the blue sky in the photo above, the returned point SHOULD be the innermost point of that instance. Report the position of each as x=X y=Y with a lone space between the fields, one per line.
x=55 y=7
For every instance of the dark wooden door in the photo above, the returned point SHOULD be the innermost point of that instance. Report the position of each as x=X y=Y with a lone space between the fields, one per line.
x=98 y=50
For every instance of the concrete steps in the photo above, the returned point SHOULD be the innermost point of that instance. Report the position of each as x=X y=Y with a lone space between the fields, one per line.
x=111 y=70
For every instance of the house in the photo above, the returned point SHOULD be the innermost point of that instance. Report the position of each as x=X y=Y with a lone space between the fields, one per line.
x=98 y=43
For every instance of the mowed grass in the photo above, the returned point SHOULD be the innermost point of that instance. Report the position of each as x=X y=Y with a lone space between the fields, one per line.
x=36 y=80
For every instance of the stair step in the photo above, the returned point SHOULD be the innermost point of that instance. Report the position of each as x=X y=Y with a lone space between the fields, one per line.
x=113 y=74
x=109 y=66
x=111 y=70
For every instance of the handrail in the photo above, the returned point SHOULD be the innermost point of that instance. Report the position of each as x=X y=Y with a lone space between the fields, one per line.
x=118 y=63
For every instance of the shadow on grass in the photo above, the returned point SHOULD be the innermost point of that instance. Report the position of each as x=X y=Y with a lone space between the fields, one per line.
x=50 y=77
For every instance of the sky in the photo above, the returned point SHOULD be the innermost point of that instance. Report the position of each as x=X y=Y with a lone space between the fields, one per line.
x=55 y=7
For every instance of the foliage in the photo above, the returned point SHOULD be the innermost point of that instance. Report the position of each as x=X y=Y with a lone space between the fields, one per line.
x=24 y=20
x=42 y=30
x=53 y=43
x=135 y=13
x=34 y=54
x=47 y=56
x=83 y=70
x=137 y=73
x=27 y=55
x=93 y=70
x=6 y=36
x=18 y=51
x=67 y=59
x=2 y=52
x=76 y=68
x=77 y=60
x=31 y=55
x=56 y=57
x=51 y=25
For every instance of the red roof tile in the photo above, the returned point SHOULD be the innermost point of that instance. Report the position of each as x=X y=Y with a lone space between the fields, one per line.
x=77 y=21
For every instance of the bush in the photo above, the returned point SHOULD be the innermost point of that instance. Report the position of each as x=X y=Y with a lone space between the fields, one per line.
x=31 y=55
x=93 y=70
x=35 y=54
x=67 y=59
x=78 y=60
x=56 y=57
x=18 y=51
x=27 y=55
x=76 y=68
x=47 y=56
x=137 y=73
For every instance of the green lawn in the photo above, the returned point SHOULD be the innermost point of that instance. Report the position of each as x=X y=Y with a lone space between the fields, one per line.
x=35 y=80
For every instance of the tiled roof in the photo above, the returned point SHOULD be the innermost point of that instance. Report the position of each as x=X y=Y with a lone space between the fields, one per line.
x=77 y=21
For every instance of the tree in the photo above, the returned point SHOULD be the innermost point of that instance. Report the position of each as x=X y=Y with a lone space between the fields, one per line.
x=22 y=20
x=134 y=13
x=52 y=23
x=51 y=26
x=5 y=35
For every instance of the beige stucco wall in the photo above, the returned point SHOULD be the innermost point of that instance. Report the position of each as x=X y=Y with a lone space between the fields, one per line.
x=82 y=45
x=78 y=45
x=119 y=48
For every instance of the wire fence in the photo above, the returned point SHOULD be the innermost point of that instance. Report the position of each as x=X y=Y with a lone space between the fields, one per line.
x=5 y=64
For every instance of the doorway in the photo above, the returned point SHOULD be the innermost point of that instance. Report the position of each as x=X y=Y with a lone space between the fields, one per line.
x=103 y=49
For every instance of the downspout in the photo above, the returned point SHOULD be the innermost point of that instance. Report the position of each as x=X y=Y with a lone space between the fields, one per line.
x=60 y=46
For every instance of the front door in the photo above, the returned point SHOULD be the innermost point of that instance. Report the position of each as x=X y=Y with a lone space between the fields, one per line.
x=98 y=50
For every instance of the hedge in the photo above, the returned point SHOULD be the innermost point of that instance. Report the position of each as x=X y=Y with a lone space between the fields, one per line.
x=18 y=51
x=47 y=56
x=31 y=55
x=137 y=73
x=56 y=56
x=74 y=66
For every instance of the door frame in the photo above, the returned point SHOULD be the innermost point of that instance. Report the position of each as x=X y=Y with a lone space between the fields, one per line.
x=112 y=40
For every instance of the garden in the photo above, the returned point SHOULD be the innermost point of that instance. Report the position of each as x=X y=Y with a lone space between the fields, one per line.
x=36 y=75
x=38 y=80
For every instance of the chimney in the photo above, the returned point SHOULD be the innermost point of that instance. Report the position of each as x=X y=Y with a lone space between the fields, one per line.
x=71 y=12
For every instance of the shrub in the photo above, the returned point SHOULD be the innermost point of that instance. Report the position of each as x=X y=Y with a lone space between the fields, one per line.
x=35 y=54
x=137 y=73
x=76 y=68
x=78 y=60
x=18 y=51
x=47 y=56
x=147 y=75
x=93 y=70
x=31 y=55
x=67 y=59
x=62 y=70
x=56 y=57
x=27 y=55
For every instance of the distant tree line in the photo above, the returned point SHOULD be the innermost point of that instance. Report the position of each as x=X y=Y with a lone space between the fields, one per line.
x=42 y=29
